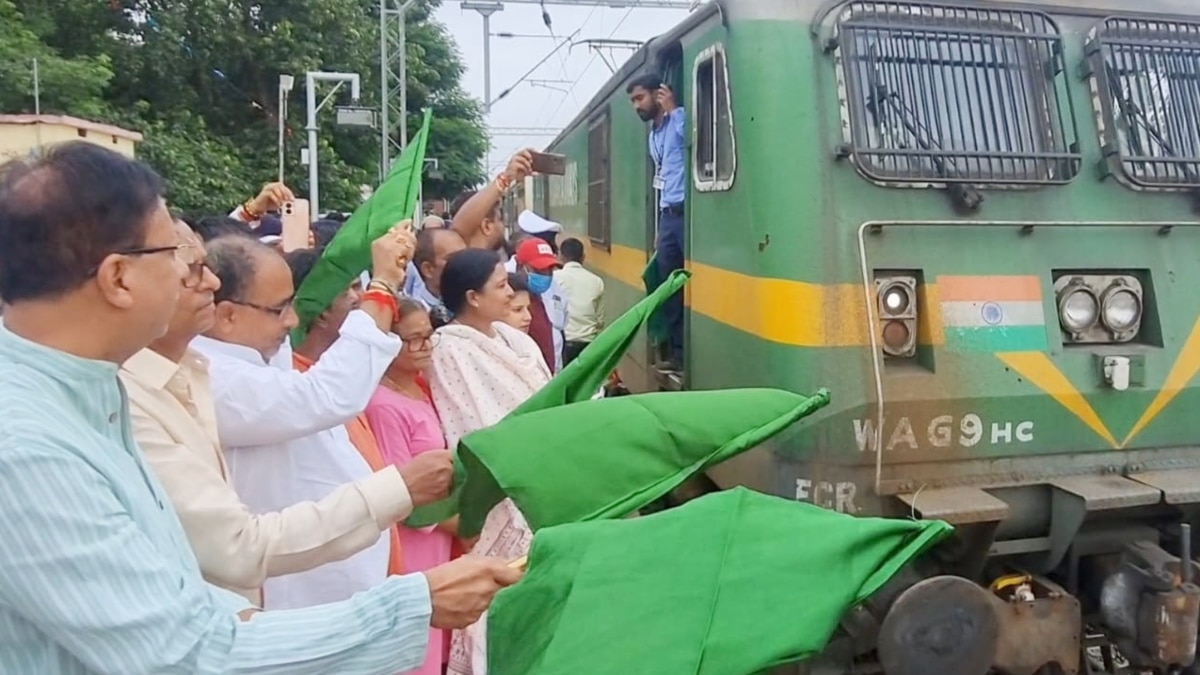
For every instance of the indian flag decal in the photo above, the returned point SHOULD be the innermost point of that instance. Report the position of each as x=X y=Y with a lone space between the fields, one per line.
x=992 y=313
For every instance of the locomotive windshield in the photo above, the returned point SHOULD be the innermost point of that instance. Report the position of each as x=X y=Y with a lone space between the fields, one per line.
x=1146 y=77
x=941 y=95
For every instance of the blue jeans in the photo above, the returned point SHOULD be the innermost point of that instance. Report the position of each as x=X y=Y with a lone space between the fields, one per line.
x=670 y=258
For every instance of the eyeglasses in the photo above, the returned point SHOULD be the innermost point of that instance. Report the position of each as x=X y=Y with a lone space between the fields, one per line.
x=195 y=274
x=184 y=253
x=417 y=342
x=195 y=264
x=277 y=311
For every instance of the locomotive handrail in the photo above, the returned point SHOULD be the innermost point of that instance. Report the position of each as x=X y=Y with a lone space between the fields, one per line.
x=876 y=354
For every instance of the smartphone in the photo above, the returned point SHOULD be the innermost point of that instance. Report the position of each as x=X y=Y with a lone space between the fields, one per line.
x=549 y=163
x=295 y=220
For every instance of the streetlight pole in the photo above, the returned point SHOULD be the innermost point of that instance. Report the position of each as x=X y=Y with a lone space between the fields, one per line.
x=486 y=10
x=286 y=82
x=311 y=78
x=37 y=90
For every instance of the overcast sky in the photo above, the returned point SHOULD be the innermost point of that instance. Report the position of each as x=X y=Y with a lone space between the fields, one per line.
x=565 y=82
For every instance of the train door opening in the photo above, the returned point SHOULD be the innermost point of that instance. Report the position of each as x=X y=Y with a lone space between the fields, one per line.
x=669 y=67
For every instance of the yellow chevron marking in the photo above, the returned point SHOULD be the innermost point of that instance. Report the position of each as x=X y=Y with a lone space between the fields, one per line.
x=829 y=315
x=1185 y=368
x=1043 y=374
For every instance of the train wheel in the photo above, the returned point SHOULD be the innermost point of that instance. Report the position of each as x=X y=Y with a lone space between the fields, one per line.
x=941 y=625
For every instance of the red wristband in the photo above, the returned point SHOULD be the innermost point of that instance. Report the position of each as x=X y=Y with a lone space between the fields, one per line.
x=386 y=299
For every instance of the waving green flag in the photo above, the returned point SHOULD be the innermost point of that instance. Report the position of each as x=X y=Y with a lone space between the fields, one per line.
x=608 y=458
x=732 y=583
x=577 y=382
x=580 y=380
x=349 y=254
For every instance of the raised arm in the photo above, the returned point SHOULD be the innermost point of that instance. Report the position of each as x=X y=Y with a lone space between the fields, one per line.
x=470 y=216
x=258 y=405
x=270 y=198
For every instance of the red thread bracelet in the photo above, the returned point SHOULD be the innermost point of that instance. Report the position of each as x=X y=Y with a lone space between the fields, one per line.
x=386 y=299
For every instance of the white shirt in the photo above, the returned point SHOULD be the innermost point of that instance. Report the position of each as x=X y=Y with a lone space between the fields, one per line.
x=284 y=442
x=585 y=302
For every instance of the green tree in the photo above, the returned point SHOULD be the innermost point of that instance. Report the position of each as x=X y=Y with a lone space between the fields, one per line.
x=199 y=78
x=458 y=137
x=73 y=85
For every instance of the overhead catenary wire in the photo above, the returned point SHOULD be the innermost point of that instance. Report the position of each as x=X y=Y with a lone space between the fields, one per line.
x=570 y=90
x=562 y=61
x=569 y=94
x=590 y=63
x=537 y=65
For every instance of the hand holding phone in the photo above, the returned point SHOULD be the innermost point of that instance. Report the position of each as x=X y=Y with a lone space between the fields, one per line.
x=295 y=220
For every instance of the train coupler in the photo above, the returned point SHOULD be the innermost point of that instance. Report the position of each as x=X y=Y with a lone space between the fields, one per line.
x=1151 y=606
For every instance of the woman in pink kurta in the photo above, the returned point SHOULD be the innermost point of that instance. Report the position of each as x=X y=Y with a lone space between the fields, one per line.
x=405 y=424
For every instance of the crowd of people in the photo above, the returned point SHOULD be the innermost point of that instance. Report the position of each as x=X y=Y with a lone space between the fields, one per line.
x=187 y=490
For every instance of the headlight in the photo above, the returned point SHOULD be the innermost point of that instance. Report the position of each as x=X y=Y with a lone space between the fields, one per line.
x=1078 y=310
x=895 y=300
x=1098 y=309
x=1122 y=310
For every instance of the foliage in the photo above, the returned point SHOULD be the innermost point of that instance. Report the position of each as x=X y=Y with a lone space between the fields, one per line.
x=199 y=78
x=66 y=84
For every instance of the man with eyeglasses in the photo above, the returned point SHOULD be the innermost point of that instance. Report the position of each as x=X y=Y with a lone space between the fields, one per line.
x=174 y=422
x=97 y=576
x=282 y=430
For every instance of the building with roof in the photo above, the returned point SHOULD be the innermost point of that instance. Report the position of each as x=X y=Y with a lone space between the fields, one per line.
x=21 y=135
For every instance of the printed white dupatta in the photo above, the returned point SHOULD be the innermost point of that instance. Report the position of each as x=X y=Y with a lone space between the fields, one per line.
x=476 y=381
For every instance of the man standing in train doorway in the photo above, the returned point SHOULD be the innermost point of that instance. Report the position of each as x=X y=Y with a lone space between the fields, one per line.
x=654 y=102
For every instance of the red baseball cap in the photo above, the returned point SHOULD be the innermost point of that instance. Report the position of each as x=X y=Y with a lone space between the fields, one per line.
x=536 y=254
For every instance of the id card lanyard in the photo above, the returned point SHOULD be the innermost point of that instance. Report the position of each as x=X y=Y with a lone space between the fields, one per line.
x=657 y=150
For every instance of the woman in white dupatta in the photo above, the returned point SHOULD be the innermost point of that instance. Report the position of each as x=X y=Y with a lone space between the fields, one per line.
x=482 y=369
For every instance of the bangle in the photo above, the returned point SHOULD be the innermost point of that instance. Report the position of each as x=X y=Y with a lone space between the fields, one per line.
x=250 y=213
x=503 y=183
x=386 y=299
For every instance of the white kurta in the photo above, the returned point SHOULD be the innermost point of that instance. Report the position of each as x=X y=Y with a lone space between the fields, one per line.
x=285 y=442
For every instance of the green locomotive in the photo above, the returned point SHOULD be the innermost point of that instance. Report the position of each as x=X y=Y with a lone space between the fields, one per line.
x=975 y=223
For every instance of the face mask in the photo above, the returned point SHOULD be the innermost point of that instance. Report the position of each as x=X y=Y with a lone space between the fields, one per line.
x=538 y=283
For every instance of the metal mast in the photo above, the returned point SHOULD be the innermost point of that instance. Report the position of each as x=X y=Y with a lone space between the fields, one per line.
x=393 y=71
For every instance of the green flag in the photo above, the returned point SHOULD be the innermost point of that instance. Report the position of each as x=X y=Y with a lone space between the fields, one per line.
x=349 y=254
x=577 y=382
x=580 y=380
x=608 y=458
x=732 y=583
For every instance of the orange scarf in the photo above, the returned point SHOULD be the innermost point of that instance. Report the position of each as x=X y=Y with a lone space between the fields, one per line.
x=364 y=441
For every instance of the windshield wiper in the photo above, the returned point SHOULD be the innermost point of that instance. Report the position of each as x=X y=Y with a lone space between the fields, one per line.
x=880 y=100
x=1135 y=118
